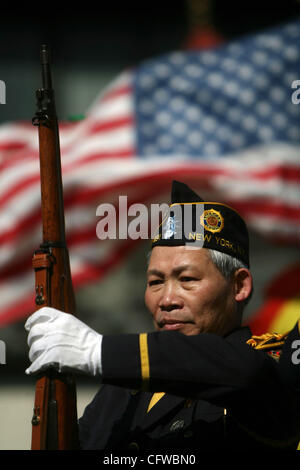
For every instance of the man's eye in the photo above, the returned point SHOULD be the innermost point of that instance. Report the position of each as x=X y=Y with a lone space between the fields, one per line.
x=154 y=282
x=187 y=279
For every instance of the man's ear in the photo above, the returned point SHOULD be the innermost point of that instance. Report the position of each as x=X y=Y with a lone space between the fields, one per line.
x=242 y=284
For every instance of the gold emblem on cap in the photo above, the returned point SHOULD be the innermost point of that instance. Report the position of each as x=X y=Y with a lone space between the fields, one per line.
x=212 y=220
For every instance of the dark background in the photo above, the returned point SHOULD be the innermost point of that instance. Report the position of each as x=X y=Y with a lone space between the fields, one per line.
x=93 y=42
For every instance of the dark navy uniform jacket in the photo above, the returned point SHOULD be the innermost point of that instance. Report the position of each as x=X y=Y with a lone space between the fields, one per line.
x=219 y=393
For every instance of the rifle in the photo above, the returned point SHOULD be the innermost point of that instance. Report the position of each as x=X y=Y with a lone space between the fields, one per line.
x=54 y=422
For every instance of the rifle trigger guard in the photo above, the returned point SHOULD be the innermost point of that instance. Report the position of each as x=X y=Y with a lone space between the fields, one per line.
x=39 y=295
x=36 y=416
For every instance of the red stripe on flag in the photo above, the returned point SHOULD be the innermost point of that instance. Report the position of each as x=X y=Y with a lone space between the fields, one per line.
x=116 y=93
x=91 y=272
x=84 y=195
x=25 y=183
x=108 y=125
x=13 y=145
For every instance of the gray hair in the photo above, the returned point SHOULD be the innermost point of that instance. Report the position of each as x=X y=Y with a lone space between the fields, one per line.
x=227 y=265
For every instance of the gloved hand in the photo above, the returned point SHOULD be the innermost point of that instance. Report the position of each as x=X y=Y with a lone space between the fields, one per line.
x=58 y=339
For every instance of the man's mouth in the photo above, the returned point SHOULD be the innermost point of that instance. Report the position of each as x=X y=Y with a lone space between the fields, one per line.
x=171 y=325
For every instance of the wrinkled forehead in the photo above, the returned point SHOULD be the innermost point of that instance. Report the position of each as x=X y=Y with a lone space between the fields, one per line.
x=170 y=257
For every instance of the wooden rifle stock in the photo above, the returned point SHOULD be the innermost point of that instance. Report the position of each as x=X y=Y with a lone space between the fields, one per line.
x=54 y=422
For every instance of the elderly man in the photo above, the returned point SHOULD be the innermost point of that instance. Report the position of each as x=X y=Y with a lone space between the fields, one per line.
x=196 y=383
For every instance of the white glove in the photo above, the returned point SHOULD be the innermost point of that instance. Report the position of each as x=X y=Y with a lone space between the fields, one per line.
x=58 y=339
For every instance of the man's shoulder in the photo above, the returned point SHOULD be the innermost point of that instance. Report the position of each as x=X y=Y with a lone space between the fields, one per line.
x=271 y=343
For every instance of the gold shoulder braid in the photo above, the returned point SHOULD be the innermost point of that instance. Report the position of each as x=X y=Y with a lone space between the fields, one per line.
x=270 y=342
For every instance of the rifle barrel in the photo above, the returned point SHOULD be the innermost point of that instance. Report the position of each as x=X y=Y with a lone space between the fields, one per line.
x=46 y=73
x=54 y=424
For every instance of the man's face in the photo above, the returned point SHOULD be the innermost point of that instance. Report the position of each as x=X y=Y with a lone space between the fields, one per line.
x=187 y=293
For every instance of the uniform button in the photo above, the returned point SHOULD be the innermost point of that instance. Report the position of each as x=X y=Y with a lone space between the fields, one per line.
x=177 y=425
x=134 y=392
x=134 y=446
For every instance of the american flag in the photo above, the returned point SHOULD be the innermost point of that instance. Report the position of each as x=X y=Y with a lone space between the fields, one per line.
x=221 y=120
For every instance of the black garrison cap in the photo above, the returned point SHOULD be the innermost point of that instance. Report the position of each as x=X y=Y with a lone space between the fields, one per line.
x=193 y=222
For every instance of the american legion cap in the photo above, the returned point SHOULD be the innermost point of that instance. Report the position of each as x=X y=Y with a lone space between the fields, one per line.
x=193 y=222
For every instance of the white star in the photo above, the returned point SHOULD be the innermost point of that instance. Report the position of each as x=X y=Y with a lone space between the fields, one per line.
x=249 y=123
x=209 y=124
x=194 y=71
x=270 y=41
x=263 y=108
x=229 y=65
x=194 y=138
x=212 y=148
x=247 y=97
x=215 y=79
x=223 y=133
x=291 y=53
x=147 y=81
x=209 y=58
x=259 y=57
x=231 y=88
x=177 y=58
x=265 y=132
x=245 y=72
x=193 y=114
x=162 y=70
x=181 y=84
x=177 y=104
x=179 y=128
x=163 y=119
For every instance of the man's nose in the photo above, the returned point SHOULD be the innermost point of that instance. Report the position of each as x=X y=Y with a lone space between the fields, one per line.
x=170 y=299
